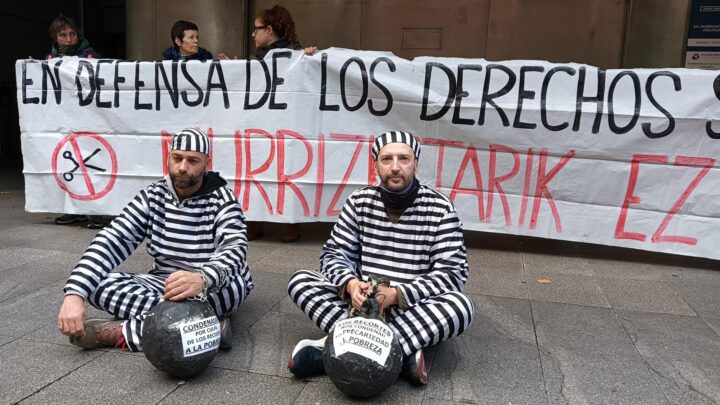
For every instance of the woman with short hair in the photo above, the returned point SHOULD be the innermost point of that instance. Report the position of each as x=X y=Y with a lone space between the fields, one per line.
x=186 y=43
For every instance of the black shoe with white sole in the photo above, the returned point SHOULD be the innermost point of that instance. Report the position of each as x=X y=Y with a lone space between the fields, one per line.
x=306 y=358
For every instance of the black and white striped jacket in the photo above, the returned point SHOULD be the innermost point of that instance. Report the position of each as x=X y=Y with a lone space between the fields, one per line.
x=204 y=233
x=423 y=254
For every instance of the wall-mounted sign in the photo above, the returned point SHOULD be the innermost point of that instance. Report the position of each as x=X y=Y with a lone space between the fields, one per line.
x=703 y=44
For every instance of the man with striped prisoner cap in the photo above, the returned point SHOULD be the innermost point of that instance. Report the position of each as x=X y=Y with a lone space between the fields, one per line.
x=195 y=231
x=399 y=231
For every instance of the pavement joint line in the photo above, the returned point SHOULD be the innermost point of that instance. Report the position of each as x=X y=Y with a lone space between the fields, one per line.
x=62 y=376
x=644 y=360
x=299 y=394
x=704 y=318
x=537 y=347
x=532 y=319
x=2 y=301
x=12 y=340
x=175 y=388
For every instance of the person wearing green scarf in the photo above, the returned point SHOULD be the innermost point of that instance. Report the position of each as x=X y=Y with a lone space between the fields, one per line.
x=68 y=41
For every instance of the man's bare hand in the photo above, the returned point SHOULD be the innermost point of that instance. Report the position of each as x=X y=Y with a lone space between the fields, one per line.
x=71 y=319
x=183 y=284
x=358 y=292
x=386 y=296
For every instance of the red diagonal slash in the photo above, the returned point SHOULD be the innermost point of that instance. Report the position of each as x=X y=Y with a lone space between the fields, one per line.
x=92 y=193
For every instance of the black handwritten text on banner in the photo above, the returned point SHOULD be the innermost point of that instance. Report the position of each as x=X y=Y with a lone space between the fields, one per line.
x=565 y=151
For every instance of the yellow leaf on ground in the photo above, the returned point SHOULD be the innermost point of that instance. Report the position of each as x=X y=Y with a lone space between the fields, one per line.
x=544 y=281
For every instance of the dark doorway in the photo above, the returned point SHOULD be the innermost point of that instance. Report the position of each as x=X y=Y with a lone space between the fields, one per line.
x=24 y=27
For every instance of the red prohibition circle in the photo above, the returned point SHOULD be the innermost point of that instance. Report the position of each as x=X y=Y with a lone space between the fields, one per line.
x=92 y=194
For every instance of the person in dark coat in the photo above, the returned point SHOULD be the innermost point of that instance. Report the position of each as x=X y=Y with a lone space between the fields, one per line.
x=186 y=43
x=274 y=29
x=68 y=40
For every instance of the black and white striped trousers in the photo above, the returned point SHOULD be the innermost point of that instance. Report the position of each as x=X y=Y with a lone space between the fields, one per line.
x=424 y=324
x=130 y=296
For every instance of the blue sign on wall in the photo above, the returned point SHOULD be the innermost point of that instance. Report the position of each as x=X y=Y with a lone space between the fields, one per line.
x=703 y=44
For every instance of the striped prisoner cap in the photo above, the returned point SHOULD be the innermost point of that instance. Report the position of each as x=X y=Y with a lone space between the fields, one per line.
x=191 y=140
x=396 y=136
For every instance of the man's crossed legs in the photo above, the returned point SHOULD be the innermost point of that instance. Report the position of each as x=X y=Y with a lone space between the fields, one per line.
x=422 y=325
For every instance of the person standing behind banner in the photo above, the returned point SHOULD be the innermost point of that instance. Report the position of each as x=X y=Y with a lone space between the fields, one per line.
x=68 y=41
x=274 y=28
x=186 y=43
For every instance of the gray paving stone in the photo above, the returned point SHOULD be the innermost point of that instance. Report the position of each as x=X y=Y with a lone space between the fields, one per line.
x=433 y=401
x=6 y=339
x=493 y=259
x=588 y=357
x=11 y=257
x=598 y=251
x=714 y=323
x=671 y=337
x=557 y=262
x=265 y=347
x=12 y=205
x=498 y=317
x=700 y=290
x=566 y=288
x=498 y=282
x=29 y=366
x=582 y=329
x=624 y=268
x=69 y=238
x=495 y=361
x=30 y=311
x=109 y=378
x=267 y=255
x=643 y=295
x=286 y=306
x=269 y=290
x=685 y=382
x=325 y=393
x=36 y=274
x=573 y=377
x=258 y=250
x=217 y=386
x=290 y=258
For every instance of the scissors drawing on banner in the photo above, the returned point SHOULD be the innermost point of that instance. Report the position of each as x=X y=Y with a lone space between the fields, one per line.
x=69 y=176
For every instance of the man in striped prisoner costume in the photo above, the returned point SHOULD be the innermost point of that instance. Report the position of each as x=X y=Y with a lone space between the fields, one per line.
x=399 y=231
x=196 y=232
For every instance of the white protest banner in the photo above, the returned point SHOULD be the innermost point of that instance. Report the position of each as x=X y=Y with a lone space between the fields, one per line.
x=564 y=151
